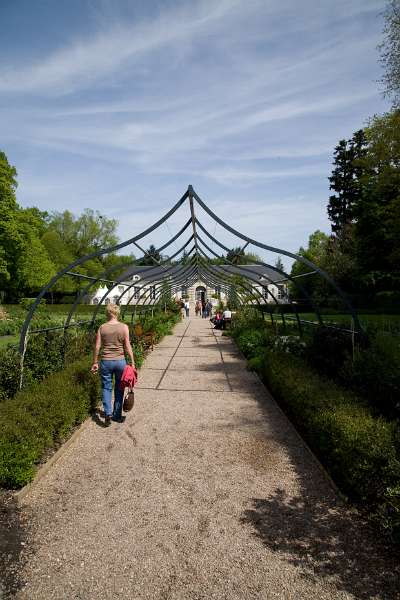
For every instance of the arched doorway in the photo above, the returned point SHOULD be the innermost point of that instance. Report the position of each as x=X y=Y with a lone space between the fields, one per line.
x=201 y=293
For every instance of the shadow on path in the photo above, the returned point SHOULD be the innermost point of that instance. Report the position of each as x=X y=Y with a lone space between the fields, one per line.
x=12 y=541
x=325 y=542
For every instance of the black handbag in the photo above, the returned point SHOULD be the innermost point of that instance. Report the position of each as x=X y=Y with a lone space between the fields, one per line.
x=129 y=400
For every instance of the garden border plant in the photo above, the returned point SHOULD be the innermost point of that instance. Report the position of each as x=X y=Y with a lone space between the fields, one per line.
x=358 y=444
x=55 y=398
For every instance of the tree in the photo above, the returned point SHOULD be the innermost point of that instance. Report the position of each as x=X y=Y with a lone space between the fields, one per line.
x=279 y=264
x=345 y=180
x=151 y=258
x=86 y=233
x=377 y=217
x=315 y=252
x=390 y=52
x=238 y=256
x=25 y=265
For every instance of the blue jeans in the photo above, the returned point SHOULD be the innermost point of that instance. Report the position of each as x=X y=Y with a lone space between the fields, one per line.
x=108 y=368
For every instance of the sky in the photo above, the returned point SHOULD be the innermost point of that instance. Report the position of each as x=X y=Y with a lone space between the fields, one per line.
x=119 y=105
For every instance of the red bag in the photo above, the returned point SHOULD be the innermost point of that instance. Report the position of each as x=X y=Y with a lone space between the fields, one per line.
x=128 y=378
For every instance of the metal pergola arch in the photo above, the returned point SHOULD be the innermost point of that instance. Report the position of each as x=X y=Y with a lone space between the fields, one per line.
x=198 y=268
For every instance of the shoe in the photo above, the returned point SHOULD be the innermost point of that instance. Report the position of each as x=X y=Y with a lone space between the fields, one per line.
x=107 y=420
x=118 y=419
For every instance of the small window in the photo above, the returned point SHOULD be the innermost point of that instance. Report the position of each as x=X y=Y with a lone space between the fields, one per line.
x=153 y=292
x=281 y=292
x=136 y=292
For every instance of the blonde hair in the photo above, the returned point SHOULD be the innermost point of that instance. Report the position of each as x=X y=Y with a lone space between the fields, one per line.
x=112 y=310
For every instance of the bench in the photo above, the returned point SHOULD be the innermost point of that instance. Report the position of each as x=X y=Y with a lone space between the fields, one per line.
x=147 y=339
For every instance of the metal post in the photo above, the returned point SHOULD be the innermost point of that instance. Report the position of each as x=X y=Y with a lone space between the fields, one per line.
x=283 y=322
x=298 y=322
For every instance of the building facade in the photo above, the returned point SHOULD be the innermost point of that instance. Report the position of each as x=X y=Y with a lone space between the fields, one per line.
x=146 y=285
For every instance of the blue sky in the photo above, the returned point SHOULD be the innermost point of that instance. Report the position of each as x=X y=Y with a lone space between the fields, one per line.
x=119 y=105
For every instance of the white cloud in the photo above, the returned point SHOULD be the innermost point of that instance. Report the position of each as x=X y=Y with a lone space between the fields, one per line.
x=86 y=61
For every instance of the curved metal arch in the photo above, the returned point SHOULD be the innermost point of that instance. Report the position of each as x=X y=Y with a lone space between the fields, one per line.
x=113 y=268
x=79 y=261
x=190 y=269
x=150 y=281
x=305 y=261
x=148 y=270
x=227 y=288
x=274 y=268
x=198 y=265
x=232 y=287
x=229 y=278
x=246 y=277
x=147 y=291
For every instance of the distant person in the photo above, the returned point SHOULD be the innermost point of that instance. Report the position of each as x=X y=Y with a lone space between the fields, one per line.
x=182 y=305
x=203 y=309
x=209 y=308
x=217 y=320
x=226 y=317
x=112 y=340
x=187 y=308
x=197 y=308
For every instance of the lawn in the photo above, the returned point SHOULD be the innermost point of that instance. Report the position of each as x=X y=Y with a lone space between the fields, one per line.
x=8 y=339
x=383 y=322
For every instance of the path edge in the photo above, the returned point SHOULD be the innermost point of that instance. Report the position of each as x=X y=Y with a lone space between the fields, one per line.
x=314 y=457
x=43 y=469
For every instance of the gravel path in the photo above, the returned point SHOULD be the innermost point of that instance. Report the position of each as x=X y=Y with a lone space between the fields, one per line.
x=205 y=491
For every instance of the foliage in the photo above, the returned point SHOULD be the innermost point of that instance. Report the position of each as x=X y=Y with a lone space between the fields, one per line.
x=39 y=418
x=34 y=246
x=360 y=450
x=315 y=252
x=238 y=256
x=151 y=258
x=279 y=264
x=55 y=398
x=377 y=228
x=345 y=180
x=24 y=262
x=362 y=255
x=375 y=373
x=390 y=52
x=345 y=427
x=327 y=350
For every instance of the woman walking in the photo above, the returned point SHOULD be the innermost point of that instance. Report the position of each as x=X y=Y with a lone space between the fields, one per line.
x=113 y=340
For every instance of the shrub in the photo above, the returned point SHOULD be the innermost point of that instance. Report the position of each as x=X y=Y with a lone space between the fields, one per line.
x=328 y=349
x=375 y=372
x=10 y=362
x=37 y=419
x=361 y=450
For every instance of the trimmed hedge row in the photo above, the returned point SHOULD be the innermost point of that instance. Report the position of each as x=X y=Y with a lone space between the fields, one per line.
x=44 y=413
x=360 y=448
x=42 y=416
x=48 y=352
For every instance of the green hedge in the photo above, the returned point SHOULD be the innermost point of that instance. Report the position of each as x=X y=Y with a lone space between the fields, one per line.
x=48 y=352
x=38 y=418
x=360 y=448
x=43 y=414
